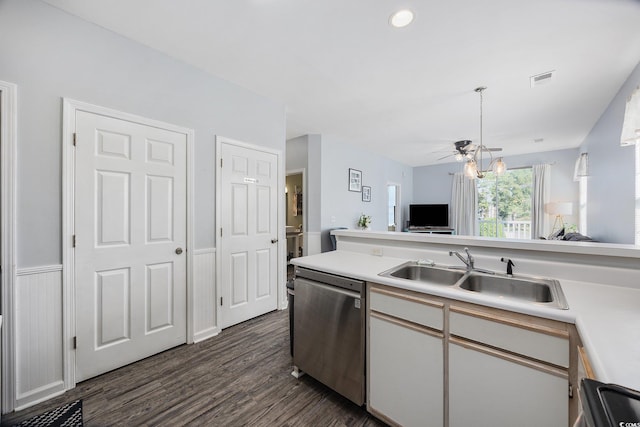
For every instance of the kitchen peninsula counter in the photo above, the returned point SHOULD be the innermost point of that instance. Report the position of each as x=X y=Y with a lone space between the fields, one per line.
x=603 y=306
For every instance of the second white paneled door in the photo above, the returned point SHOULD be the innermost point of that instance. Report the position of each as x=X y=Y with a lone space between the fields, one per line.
x=248 y=243
x=130 y=237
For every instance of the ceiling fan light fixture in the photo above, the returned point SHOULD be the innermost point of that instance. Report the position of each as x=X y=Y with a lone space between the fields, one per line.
x=459 y=157
x=401 y=18
x=471 y=169
x=499 y=167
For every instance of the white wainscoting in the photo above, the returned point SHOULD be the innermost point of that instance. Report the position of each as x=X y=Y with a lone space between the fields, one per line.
x=38 y=331
x=204 y=294
x=38 y=351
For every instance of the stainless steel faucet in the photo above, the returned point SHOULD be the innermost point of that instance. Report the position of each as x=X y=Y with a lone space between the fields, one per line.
x=468 y=262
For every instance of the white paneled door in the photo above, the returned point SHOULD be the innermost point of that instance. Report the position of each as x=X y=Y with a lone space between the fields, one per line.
x=130 y=236
x=248 y=242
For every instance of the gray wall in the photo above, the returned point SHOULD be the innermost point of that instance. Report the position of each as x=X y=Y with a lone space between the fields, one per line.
x=341 y=207
x=50 y=54
x=432 y=184
x=611 y=182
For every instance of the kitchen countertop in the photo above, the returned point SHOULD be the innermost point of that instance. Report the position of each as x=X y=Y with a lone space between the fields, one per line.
x=606 y=316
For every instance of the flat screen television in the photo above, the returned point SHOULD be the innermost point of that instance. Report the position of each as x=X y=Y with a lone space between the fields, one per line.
x=429 y=215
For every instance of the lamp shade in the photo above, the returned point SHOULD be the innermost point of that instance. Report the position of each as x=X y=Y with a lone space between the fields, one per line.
x=559 y=208
x=582 y=166
x=631 y=125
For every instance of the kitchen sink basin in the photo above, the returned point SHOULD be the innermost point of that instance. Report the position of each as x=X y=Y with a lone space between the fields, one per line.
x=425 y=273
x=535 y=290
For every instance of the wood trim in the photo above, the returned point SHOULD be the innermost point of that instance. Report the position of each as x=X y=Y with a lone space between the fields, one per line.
x=509 y=357
x=574 y=400
x=584 y=358
x=68 y=227
x=403 y=295
x=8 y=169
x=190 y=236
x=511 y=322
x=406 y=324
x=204 y=251
x=38 y=270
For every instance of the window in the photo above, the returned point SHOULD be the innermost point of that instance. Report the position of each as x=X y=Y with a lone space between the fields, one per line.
x=504 y=204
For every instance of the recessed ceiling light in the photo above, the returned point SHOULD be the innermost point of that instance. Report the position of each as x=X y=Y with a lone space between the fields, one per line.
x=401 y=18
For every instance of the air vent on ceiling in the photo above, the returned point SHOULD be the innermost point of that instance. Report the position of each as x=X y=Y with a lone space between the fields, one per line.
x=542 y=78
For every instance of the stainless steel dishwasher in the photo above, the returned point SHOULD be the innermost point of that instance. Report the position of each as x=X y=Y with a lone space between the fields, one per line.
x=328 y=331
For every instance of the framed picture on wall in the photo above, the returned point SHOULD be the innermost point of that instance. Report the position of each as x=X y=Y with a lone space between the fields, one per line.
x=355 y=180
x=366 y=194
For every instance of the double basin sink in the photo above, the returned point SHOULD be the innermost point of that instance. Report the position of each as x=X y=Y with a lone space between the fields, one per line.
x=534 y=290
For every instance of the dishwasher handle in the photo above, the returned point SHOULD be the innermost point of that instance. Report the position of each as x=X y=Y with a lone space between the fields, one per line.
x=330 y=279
x=330 y=288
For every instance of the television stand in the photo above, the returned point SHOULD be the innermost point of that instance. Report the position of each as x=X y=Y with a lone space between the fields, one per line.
x=431 y=230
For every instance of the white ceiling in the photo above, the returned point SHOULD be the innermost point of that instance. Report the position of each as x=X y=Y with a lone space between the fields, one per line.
x=342 y=70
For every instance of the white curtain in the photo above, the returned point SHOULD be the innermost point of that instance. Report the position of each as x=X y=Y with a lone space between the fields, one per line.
x=539 y=198
x=464 y=205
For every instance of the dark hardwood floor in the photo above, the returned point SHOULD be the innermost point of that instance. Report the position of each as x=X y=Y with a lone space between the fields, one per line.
x=241 y=377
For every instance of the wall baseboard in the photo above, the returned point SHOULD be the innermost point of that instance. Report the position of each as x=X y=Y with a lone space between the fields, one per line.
x=206 y=334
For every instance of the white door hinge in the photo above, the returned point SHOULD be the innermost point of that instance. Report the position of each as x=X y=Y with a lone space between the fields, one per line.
x=73 y=241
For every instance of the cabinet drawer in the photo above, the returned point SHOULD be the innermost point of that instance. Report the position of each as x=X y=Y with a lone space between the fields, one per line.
x=545 y=344
x=407 y=307
x=528 y=394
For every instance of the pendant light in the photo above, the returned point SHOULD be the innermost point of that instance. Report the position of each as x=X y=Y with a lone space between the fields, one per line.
x=473 y=167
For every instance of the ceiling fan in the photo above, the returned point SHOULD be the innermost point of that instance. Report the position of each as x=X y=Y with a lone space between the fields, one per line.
x=465 y=149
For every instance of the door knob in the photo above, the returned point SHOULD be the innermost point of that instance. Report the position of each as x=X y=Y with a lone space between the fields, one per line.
x=274 y=240
x=179 y=251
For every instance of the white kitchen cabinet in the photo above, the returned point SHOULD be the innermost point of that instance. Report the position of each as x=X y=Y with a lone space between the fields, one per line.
x=405 y=359
x=490 y=388
x=507 y=369
x=434 y=361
